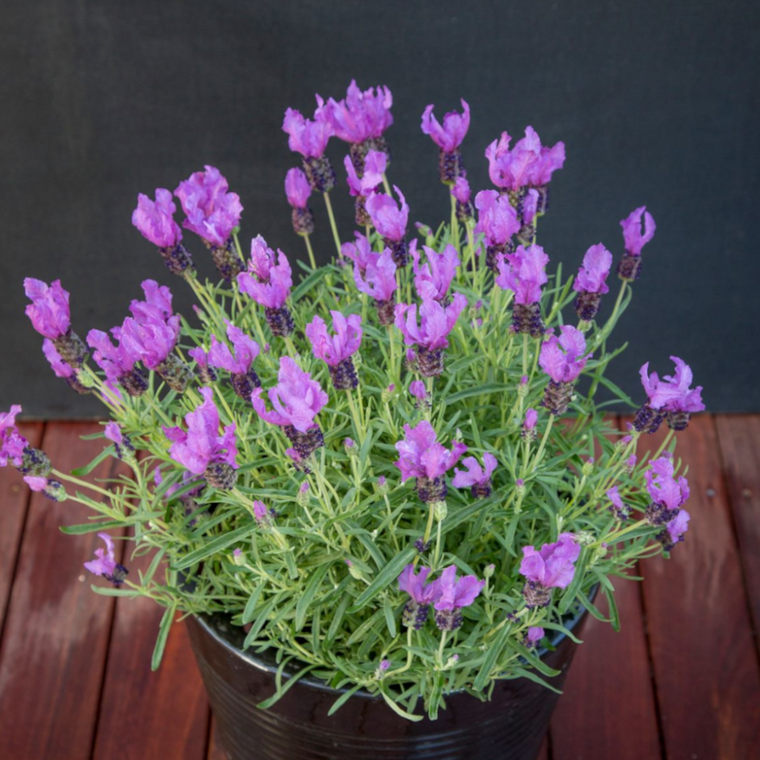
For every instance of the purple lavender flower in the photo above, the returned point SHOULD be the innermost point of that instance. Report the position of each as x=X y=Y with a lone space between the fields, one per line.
x=524 y=272
x=528 y=431
x=512 y=169
x=390 y=220
x=309 y=138
x=432 y=279
x=497 y=220
x=619 y=509
x=122 y=444
x=417 y=389
x=262 y=513
x=430 y=335
x=60 y=368
x=674 y=531
x=359 y=252
x=453 y=594
x=12 y=443
x=240 y=364
x=375 y=165
x=201 y=449
x=461 y=192
x=448 y=137
x=155 y=221
x=591 y=281
x=530 y=203
x=269 y=285
x=629 y=268
x=336 y=350
x=297 y=191
x=477 y=478
x=553 y=566
x=671 y=397
x=549 y=160
x=563 y=359
x=296 y=401
x=379 y=282
x=205 y=373
x=212 y=213
x=51 y=318
x=421 y=595
x=105 y=563
x=423 y=458
x=533 y=636
x=667 y=492
x=117 y=362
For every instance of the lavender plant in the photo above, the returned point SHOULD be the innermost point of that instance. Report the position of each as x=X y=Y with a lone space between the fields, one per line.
x=297 y=451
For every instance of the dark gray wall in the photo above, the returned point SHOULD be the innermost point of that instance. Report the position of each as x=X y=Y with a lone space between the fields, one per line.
x=657 y=103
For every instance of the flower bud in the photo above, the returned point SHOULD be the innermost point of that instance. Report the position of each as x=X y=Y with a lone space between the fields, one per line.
x=489 y=571
x=588 y=467
x=302 y=499
x=238 y=558
x=382 y=485
x=440 y=510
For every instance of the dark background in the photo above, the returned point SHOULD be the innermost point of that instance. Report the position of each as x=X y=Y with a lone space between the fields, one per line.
x=656 y=102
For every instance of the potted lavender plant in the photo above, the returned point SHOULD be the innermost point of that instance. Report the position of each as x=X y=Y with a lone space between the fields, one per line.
x=384 y=494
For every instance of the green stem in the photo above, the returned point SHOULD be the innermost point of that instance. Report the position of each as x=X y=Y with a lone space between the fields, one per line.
x=441 y=646
x=333 y=226
x=83 y=483
x=545 y=438
x=312 y=260
x=387 y=186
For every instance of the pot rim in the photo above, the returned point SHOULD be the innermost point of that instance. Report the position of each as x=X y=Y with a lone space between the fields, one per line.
x=215 y=626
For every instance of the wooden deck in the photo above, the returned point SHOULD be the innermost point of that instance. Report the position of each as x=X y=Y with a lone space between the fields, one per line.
x=681 y=681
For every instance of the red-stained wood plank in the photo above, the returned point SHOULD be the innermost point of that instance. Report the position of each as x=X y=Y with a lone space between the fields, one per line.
x=608 y=707
x=146 y=715
x=14 y=498
x=739 y=437
x=705 y=665
x=215 y=749
x=56 y=634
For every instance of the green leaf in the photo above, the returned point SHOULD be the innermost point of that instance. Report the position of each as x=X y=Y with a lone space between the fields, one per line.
x=153 y=566
x=386 y=576
x=88 y=468
x=403 y=713
x=307 y=284
x=493 y=653
x=215 y=545
x=163 y=635
x=251 y=605
x=282 y=690
x=586 y=602
x=78 y=530
x=308 y=595
x=108 y=591
x=343 y=698
x=390 y=617
x=479 y=390
x=531 y=676
x=261 y=621
x=573 y=589
x=614 y=613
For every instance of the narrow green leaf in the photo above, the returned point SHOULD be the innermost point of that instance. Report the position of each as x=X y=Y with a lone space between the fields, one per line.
x=386 y=576
x=108 y=591
x=78 y=530
x=215 y=545
x=88 y=468
x=251 y=605
x=343 y=698
x=390 y=617
x=163 y=635
x=403 y=713
x=531 y=676
x=307 y=284
x=337 y=620
x=261 y=621
x=308 y=595
x=153 y=567
x=571 y=592
x=586 y=602
x=493 y=653
x=614 y=613
x=283 y=690
x=479 y=390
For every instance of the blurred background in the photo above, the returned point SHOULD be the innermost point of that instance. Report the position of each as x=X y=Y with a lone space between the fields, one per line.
x=656 y=102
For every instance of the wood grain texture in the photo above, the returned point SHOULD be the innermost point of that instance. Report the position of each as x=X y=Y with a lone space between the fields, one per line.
x=163 y=714
x=14 y=499
x=608 y=707
x=56 y=634
x=705 y=666
x=739 y=438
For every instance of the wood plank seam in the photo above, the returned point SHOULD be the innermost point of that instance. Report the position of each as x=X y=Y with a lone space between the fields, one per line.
x=737 y=543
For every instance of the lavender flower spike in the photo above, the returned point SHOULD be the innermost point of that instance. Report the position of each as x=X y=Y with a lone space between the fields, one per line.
x=432 y=280
x=201 y=449
x=240 y=365
x=212 y=213
x=461 y=191
x=619 y=509
x=524 y=272
x=379 y=282
x=671 y=397
x=423 y=458
x=155 y=221
x=121 y=442
x=591 y=281
x=117 y=363
x=563 y=359
x=51 y=318
x=436 y=322
x=533 y=636
x=667 y=492
x=296 y=401
x=674 y=531
x=454 y=594
x=553 y=566
x=12 y=443
x=297 y=191
x=359 y=252
x=204 y=372
x=362 y=187
x=390 y=220
x=105 y=563
x=497 y=220
x=528 y=431
x=476 y=477
x=448 y=137
x=336 y=350
x=629 y=268
x=269 y=285
x=60 y=368
x=309 y=138
x=421 y=595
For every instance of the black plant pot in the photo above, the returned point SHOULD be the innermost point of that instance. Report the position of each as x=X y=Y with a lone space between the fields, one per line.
x=510 y=726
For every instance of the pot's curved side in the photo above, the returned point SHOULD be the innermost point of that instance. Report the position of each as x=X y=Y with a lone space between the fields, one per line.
x=509 y=727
